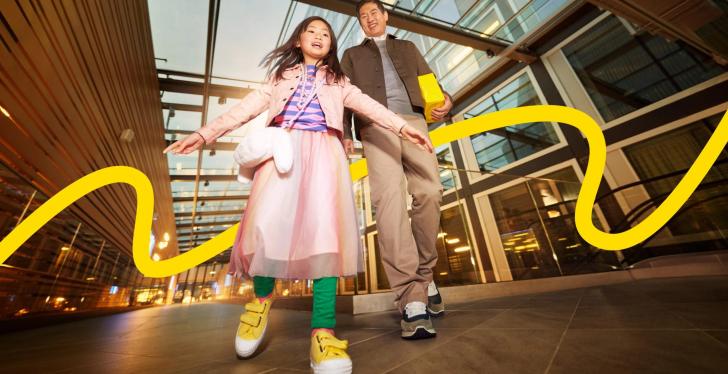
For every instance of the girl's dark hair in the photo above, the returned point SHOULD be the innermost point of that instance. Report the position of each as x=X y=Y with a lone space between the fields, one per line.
x=288 y=55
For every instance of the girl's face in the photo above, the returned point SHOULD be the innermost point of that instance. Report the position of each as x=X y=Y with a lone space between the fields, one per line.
x=315 y=42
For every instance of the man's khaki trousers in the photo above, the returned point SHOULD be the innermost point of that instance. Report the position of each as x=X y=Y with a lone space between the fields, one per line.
x=408 y=251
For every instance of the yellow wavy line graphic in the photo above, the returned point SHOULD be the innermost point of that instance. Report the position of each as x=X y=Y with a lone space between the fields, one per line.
x=443 y=135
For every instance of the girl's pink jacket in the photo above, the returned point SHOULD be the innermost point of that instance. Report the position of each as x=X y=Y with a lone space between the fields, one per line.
x=333 y=97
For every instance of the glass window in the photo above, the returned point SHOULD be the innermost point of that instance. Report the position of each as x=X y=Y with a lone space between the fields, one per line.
x=623 y=72
x=521 y=234
x=181 y=98
x=382 y=281
x=535 y=222
x=222 y=188
x=203 y=220
x=706 y=210
x=498 y=148
x=449 y=11
x=179 y=33
x=446 y=161
x=455 y=65
x=183 y=189
x=530 y=15
x=456 y=263
x=215 y=206
x=486 y=18
x=81 y=262
x=182 y=164
x=237 y=56
x=215 y=162
x=181 y=120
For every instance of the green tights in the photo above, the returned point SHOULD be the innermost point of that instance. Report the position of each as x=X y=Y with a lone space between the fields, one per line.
x=324 y=299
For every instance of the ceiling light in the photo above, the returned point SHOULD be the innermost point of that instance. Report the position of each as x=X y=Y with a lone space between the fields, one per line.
x=493 y=26
x=459 y=57
x=5 y=112
x=222 y=100
x=127 y=135
x=464 y=248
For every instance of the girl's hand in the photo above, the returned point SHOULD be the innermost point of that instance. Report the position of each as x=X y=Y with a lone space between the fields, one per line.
x=187 y=145
x=410 y=133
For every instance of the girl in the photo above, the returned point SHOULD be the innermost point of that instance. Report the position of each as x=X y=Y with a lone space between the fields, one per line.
x=301 y=224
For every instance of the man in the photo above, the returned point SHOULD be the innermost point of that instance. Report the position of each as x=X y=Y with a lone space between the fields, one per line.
x=386 y=69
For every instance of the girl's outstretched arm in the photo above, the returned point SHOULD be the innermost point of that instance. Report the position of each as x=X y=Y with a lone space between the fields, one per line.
x=250 y=107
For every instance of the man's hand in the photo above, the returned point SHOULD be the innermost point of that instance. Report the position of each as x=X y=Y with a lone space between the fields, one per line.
x=438 y=114
x=348 y=146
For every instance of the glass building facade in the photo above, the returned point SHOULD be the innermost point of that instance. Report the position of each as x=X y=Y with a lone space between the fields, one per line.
x=66 y=266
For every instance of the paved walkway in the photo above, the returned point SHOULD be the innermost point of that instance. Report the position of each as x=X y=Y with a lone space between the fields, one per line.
x=655 y=326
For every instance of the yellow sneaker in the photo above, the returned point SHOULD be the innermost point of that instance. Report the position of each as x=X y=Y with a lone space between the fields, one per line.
x=328 y=354
x=251 y=329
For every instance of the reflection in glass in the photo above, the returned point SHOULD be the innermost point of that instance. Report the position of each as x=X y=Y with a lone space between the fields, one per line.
x=707 y=217
x=382 y=280
x=498 y=148
x=64 y=267
x=456 y=263
x=179 y=33
x=555 y=195
x=522 y=235
x=535 y=221
x=446 y=161
x=181 y=122
x=623 y=71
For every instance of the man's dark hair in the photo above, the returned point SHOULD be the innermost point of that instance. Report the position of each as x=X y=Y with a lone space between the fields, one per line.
x=364 y=2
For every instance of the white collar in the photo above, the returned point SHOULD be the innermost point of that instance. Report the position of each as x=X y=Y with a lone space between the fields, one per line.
x=379 y=38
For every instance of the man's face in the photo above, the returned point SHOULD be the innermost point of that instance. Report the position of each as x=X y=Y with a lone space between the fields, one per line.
x=372 y=20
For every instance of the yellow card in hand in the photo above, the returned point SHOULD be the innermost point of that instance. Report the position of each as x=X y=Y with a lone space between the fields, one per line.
x=432 y=95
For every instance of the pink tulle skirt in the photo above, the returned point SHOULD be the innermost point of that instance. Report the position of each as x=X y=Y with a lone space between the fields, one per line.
x=301 y=224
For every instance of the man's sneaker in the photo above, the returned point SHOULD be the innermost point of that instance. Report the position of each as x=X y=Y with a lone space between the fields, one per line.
x=435 y=306
x=328 y=354
x=252 y=327
x=416 y=323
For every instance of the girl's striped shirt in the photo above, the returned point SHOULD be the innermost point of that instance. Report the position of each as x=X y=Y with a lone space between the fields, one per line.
x=312 y=118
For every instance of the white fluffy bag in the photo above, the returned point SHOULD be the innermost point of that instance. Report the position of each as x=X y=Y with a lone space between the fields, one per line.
x=259 y=145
